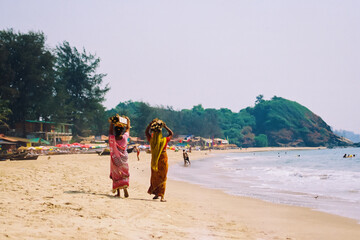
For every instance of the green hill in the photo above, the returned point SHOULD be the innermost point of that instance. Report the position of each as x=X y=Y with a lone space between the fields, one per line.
x=275 y=122
x=287 y=123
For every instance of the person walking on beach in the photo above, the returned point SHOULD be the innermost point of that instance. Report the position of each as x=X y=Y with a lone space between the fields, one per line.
x=159 y=158
x=186 y=158
x=119 y=168
x=134 y=148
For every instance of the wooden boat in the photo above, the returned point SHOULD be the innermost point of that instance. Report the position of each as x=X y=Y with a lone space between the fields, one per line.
x=5 y=156
x=106 y=151
x=23 y=156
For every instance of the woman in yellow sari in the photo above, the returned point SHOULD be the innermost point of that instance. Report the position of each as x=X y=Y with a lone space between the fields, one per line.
x=159 y=159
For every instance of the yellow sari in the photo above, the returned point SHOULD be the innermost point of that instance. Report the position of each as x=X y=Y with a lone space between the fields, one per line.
x=159 y=164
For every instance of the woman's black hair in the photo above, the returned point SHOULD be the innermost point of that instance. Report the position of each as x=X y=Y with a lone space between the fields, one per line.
x=119 y=131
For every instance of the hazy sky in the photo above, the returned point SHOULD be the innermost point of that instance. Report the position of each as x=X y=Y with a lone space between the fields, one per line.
x=216 y=53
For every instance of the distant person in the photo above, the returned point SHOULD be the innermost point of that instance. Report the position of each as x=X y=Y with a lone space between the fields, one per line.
x=344 y=155
x=186 y=158
x=137 y=153
x=134 y=148
x=119 y=168
x=159 y=158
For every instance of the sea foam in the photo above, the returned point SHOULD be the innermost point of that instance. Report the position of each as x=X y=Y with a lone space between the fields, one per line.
x=319 y=179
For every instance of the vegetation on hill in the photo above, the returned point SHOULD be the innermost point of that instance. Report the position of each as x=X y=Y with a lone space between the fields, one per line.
x=277 y=122
x=287 y=123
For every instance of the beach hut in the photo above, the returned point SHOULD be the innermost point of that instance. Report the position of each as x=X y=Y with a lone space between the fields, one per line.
x=39 y=141
x=17 y=142
x=3 y=142
x=5 y=146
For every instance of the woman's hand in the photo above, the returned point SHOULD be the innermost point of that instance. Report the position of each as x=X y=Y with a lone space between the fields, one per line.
x=151 y=122
x=128 y=120
x=169 y=130
x=128 y=124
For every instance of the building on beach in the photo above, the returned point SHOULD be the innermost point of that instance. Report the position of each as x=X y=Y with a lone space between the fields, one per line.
x=50 y=131
x=202 y=143
x=12 y=143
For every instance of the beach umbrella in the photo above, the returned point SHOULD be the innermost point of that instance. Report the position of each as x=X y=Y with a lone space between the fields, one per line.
x=61 y=146
x=22 y=148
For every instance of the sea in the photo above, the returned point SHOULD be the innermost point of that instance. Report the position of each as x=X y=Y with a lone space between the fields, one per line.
x=320 y=179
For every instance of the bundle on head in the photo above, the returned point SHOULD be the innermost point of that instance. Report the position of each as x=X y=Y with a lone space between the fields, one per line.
x=119 y=127
x=156 y=125
x=116 y=121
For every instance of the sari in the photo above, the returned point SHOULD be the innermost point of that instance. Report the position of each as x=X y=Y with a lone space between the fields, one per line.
x=119 y=168
x=159 y=164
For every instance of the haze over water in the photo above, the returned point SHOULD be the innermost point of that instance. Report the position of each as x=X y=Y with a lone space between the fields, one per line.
x=319 y=179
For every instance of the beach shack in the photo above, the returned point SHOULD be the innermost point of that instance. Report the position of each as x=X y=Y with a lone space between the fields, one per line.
x=12 y=143
x=50 y=131
x=5 y=146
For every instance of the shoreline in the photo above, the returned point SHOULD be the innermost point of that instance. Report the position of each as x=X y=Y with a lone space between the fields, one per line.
x=204 y=172
x=69 y=196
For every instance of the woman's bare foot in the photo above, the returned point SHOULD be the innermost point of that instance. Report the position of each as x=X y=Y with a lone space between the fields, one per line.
x=126 y=194
x=118 y=193
x=162 y=200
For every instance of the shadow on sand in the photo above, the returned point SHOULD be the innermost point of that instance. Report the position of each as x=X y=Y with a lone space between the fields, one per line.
x=106 y=195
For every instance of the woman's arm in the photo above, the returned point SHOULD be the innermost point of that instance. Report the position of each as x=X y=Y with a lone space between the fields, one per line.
x=169 y=131
x=111 y=129
x=128 y=125
x=147 y=133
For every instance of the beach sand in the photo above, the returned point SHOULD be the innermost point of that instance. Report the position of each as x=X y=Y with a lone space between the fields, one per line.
x=69 y=197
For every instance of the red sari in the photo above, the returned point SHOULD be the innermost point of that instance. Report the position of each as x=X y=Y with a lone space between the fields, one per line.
x=119 y=168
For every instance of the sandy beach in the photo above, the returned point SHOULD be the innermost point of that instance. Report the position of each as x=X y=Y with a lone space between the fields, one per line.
x=69 y=197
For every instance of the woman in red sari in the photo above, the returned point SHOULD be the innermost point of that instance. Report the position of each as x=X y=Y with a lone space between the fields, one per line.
x=119 y=168
x=159 y=159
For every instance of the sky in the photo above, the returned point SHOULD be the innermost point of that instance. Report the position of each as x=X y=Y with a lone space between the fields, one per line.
x=218 y=53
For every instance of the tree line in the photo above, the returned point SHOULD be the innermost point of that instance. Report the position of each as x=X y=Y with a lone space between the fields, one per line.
x=41 y=83
x=274 y=122
x=208 y=123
